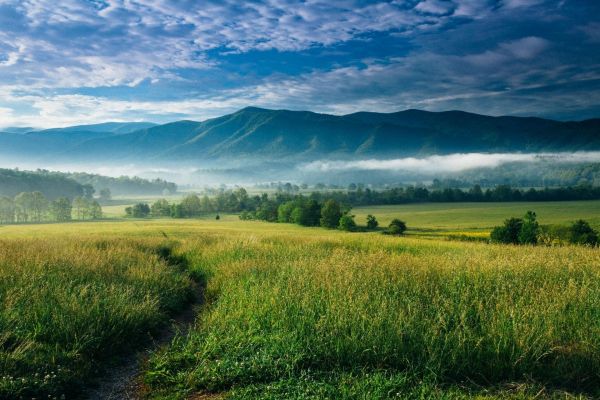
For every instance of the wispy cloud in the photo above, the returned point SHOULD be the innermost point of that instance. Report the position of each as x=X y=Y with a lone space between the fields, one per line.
x=447 y=163
x=76 y=61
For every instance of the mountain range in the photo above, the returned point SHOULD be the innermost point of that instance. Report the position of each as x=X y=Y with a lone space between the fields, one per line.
x=275 y=135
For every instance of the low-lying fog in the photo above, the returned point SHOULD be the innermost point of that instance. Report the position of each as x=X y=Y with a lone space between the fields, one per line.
x=250 y=172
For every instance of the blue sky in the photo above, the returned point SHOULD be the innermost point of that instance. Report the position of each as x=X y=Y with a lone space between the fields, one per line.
x=67 y=62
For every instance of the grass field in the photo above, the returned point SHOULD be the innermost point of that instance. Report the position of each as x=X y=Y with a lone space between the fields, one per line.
x=444 y=218
x=302 y=313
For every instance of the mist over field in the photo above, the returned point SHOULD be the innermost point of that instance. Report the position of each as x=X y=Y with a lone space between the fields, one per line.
x=397 y=170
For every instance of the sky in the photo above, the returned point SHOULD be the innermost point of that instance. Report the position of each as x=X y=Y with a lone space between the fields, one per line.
x=86 y=61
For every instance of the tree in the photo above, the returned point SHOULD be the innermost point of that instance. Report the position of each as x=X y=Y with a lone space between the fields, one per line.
x=39 y=205
x=284 y=211
x=95 y=210
x=7 y=210
x=24 y=206
x=191 y=205
x=105 y=194
x=582 y=233
x=161 y=208
x=330 y=214
x=347 y=223
x=61 y=209
x=81 y=206
x=177 y=211
x=88 y=191
x=396 y=227
x=509 y=232
x=530 y=229
x=372 y=222
x=306 y=213
x=140 y=210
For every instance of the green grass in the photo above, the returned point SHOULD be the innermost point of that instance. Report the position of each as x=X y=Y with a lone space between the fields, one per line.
x=376 y=317
x=303 y=313
x=68 y=307
x=474 y=217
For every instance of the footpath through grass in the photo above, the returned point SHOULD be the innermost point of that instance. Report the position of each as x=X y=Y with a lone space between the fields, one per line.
x=354 y=316
x=69 y=306
x=300 y=313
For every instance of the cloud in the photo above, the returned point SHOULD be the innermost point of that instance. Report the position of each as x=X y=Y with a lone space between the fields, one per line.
x=446 y=163
x=118 y=42
x=162 y=60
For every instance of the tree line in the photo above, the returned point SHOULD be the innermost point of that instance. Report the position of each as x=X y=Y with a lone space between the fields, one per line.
x=52 y=185
x=35 y=207
x=267 y=207
x=527 y=230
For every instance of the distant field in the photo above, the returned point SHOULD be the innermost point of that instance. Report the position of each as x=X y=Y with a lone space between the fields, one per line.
x=302 y=313
x=449 y=217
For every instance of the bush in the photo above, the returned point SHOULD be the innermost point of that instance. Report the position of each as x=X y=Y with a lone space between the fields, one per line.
x=396 y=227
x=529 y=230
x=330 y=214
x=508 y=233
x=582 y=233
x=140 y=210
x=347 y=223
x=372 y=222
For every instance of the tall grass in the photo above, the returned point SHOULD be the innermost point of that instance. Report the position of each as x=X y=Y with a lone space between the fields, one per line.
x=68 y=306
x=340 y=310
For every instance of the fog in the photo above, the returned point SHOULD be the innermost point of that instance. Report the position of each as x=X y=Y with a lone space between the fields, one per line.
x=249 y=172
x=447 y=163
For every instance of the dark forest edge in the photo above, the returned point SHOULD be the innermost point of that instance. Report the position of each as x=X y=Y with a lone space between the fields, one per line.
x=53 y=184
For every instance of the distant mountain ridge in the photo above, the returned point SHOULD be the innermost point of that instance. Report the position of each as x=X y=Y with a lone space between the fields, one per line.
x=275 y=135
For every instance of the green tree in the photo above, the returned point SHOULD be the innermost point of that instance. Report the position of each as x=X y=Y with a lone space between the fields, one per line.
x=284 y=212
x=330 y=214
x=191 y=205
x=7 y=210
x=372 y=222
x=140 y=210
x=161 y=208
x=177 y=211
x=396 y=227
x=81 y=207
x=95 y=210
x=530 y=229
x=39 y=205
x=61 y=209
x=24 y=206
x=206 y=205
x=105 y=194
x=582 y=233
x=347 y=223
x=508 y=233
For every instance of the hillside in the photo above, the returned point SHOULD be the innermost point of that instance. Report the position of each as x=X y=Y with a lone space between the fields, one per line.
x=302 y=136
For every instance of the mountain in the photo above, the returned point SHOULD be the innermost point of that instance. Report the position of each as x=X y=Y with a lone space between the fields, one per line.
x=283 y=135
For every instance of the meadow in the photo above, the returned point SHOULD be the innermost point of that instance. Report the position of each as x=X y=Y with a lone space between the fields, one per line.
x=480 y=216
x=301 y=313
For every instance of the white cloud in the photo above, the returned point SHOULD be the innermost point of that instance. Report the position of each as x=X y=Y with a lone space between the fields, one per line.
x=447 y=163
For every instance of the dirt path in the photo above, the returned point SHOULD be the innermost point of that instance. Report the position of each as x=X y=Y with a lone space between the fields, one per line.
x=123 y=382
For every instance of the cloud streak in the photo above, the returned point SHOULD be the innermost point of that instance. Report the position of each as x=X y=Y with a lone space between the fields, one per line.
x=447 y=163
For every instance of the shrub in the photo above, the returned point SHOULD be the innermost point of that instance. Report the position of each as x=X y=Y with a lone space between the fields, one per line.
x=140 y=210
x=347 y=223
x=509 y=232
x=582 y=233
x=396 y=227
x=529 y=230
x=330 y=214
x=372 y=222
